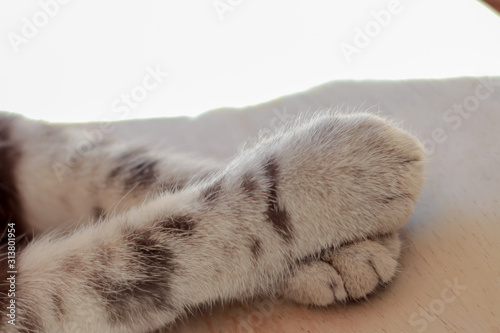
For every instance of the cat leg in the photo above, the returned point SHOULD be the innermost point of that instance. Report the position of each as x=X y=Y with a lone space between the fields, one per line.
x=61 y=177
x=315 y=185
x=349 y=272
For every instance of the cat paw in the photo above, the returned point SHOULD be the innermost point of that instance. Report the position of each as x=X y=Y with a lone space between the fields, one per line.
x=349 y=272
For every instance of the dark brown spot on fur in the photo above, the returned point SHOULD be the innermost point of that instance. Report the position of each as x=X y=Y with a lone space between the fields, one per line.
x=308 y=259
x=212 y=192
x=142 y=174
x=125 y=159
x=255 y=247
x=179 y=225
x=98 y=213
x=145 y=287
x=389 y=199
x=276 y=214
x=410 y=160
x=57 y=301
x=115 y=172
x=136 y=168
x=248 y=184
x=151 y=252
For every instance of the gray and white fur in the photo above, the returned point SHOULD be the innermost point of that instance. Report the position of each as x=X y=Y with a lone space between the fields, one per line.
x=133 y=239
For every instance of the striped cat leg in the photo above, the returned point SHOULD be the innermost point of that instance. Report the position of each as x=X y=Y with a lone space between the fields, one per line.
x=316 y=185
x=60 y=176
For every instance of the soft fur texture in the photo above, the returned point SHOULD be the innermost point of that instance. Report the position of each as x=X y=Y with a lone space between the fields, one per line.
x=132 y=239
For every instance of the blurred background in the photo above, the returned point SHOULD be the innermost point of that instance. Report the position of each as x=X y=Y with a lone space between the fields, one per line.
x=78 y=61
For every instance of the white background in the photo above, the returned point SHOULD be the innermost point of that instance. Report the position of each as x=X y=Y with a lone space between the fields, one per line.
x=88 y=54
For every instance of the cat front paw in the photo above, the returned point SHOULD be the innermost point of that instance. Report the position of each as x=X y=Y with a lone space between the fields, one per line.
x=350 y=272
